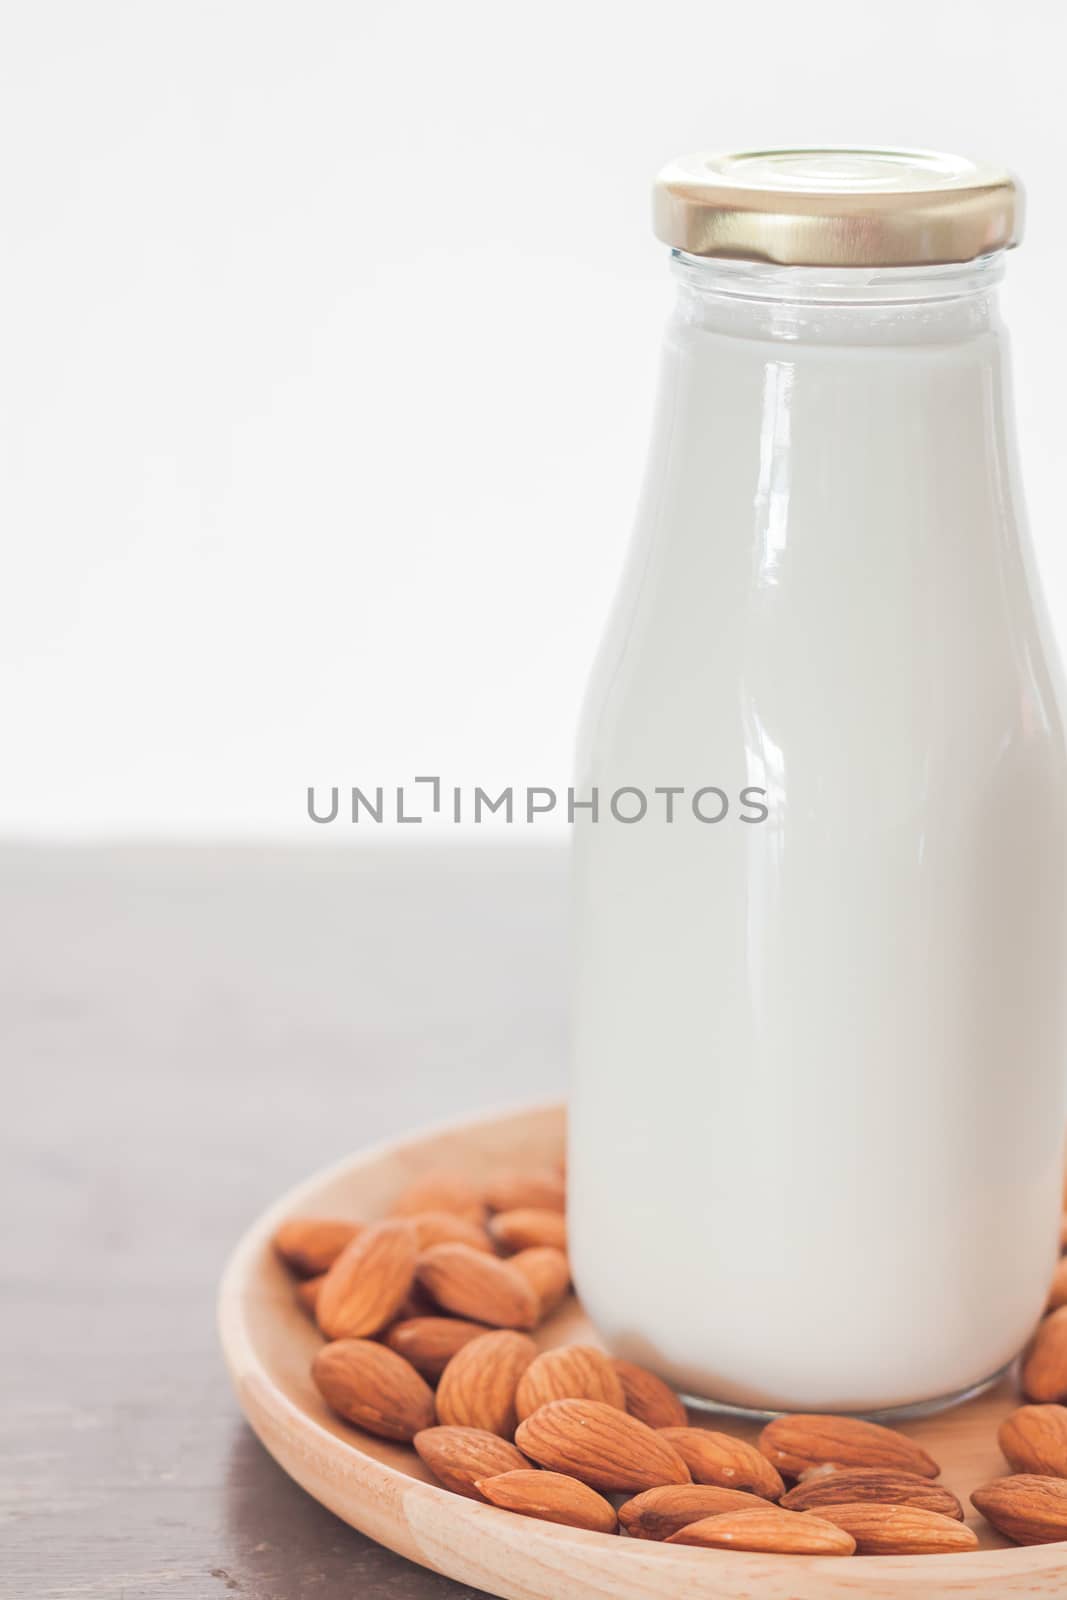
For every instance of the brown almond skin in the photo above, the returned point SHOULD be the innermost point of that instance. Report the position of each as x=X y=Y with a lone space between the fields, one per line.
x=548 y=1272
x=526 y=1229
x=517 y=1189
x=551 y=1497
x=369 y=1281
x=1057 y=1294
x=373 y=1387
x=769 y=1530
x=874 y=1484
x=896 y=1530
x=478 y=1287
x=795 y=1443
x=648 y=1398
x=571 y=1372
x=1044 y=1370
x=601 y=1446
x=1030 y=1508
x=307 y=1294
x=729 y=1463
x=309 y=1246
x=477 y=1387
x=429 y=1343
x=1034 y=1439
x=458 y=1457
x=657 y=1513
x=448 y=1227
x=441 y=1191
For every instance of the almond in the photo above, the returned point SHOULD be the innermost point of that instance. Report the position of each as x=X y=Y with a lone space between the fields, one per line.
x=448 y=1227
x=429 y=1343
x=897 y=1530
x=477 y=1388
x=1044 y=1372
x=600 y=1445
x=307 y=1293
x=658 y=1513
x=797 y=1442
x=572 y=1372
x=1031 y=1509
x=853 y=1484
x=369 y=1281
x=1034 y=1439
x=309 y=1246
x=552 y=1497
x=373 y=1387
x=1057 y=1294
x=458 y=1457
x=1063 y=1231
x=522 y=1230
x=767 y=1529
x=548 y=1272
x=441 y=1191
x=721 y=1459
x=478 y=1286
x=515 y=1190
x=648 y=1398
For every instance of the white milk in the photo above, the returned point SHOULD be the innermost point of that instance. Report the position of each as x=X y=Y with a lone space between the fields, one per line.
x=818 y=1091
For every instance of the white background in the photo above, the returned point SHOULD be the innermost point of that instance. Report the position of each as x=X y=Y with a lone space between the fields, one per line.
x=329 y=334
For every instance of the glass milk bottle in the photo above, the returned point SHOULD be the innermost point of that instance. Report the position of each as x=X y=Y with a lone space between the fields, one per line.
x=818 y=1086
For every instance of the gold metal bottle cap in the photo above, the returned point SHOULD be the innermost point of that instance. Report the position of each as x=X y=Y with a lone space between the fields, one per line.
x=837 y=207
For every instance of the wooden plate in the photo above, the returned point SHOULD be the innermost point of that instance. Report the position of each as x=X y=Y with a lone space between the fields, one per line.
x=382 y=1489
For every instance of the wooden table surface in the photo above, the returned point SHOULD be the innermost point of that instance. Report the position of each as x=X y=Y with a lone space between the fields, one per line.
x=186 y=1031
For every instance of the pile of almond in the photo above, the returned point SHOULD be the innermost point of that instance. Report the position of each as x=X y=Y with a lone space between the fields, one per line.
x=428 y=1316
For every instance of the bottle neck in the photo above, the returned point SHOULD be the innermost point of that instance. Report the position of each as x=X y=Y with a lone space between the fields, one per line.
x=839 y=305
